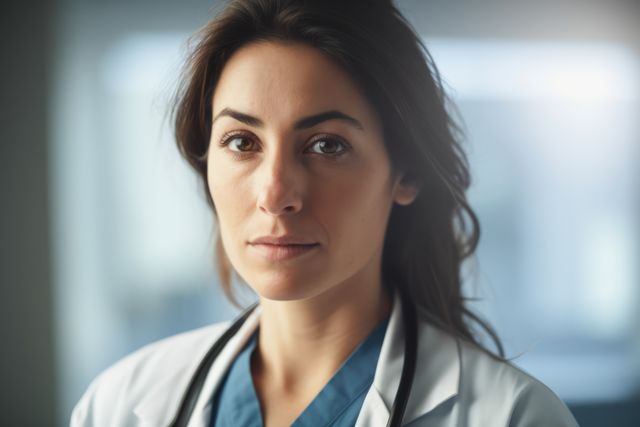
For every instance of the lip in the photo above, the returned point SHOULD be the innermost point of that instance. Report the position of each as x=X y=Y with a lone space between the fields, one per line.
x=280 y=248
x=287 y=239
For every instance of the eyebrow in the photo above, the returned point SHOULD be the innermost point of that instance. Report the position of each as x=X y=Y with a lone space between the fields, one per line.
x=303 y=123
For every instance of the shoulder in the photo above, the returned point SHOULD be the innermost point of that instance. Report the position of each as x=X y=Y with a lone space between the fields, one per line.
x=457 y=381
x=115 y=392
x=503 y=390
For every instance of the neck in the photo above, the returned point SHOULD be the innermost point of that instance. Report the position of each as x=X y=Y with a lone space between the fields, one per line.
x=319 y=332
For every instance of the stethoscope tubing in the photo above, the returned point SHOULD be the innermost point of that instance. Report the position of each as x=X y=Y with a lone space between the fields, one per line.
x=190 y=397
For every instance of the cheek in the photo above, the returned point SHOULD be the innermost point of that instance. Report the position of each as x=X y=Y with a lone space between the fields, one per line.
x=228 y=192
x=354 y=209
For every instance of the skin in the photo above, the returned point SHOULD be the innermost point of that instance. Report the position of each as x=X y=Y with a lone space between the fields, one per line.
x=272 y=178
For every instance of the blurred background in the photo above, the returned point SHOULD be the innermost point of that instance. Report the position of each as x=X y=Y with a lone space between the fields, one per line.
x=107 y=243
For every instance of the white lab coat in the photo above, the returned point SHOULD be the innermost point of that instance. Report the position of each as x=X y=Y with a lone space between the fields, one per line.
x=455 y=384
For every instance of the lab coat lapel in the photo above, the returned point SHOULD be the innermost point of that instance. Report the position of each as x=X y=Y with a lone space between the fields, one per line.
x=437 y=372
x=436 y=379
x=161 y=403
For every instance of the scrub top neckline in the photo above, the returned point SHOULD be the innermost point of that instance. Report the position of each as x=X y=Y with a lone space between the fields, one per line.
x=236 y=402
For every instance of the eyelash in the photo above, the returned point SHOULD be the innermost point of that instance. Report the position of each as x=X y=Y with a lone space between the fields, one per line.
x=230 y=136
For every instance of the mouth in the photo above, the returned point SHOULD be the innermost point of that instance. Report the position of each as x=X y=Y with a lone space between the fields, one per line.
x=281 y=252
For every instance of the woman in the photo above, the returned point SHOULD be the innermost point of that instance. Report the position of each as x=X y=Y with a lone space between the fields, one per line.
x=320 y=132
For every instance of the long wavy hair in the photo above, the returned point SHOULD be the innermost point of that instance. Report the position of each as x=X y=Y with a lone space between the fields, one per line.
x=427 y=241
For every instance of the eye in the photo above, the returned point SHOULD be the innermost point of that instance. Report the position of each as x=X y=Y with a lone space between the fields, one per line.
x=238 y=143
x=329 y=146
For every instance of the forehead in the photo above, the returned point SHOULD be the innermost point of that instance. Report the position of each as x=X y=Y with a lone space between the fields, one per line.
x=282 y=79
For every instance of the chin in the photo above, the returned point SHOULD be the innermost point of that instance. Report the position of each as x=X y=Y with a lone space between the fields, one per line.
x=279 y=286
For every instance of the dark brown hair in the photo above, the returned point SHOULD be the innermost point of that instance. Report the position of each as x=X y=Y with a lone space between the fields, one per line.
x=426 y=242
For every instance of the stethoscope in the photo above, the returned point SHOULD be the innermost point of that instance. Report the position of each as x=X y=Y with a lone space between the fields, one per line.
x=190 y=397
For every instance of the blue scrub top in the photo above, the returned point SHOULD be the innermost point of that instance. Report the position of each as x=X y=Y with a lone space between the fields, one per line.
x=338 y=404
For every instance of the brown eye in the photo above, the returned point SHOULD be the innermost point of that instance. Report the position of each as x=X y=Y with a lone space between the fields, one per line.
x=330 y=146
x=239 y=143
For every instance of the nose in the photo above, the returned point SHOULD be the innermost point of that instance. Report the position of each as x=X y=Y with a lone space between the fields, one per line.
x=279 y=186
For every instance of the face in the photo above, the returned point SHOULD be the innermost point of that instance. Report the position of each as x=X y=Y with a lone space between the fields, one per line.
x=298 y=173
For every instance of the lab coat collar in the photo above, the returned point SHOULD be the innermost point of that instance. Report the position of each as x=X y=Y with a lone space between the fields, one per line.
x=161 y=403
x=436 y=379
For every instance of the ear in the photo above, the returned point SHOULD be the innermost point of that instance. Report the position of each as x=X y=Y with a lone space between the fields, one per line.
x=405 y=190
